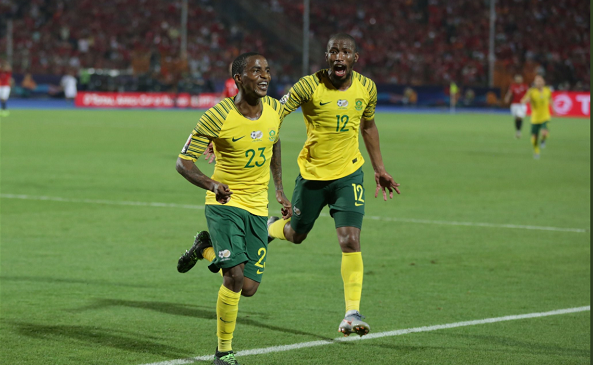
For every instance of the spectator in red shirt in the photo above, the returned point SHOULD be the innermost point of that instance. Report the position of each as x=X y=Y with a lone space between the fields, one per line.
x=516 y=92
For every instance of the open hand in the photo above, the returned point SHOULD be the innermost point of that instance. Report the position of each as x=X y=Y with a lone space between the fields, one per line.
x=385 y=181
x=209 y=153
x=286 y=206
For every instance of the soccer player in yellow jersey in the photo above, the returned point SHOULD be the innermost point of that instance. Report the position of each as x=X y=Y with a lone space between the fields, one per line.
x=540 y=98
x=244 y=131
x=336 y=103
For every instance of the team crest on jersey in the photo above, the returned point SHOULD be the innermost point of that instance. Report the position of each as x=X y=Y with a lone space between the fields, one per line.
x=224 y=254
x=358 y=104
x=342 y=104
x=272 y=134
x=256 y=136
x=296 y=210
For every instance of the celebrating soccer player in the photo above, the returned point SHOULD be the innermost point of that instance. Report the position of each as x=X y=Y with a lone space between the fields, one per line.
x=244 y=131
x=540 y=98
x=336 y=102
x=517 y=90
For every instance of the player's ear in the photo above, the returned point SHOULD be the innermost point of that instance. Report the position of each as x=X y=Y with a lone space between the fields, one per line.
x=355 y=57
x=237 y=78
x=326 y=56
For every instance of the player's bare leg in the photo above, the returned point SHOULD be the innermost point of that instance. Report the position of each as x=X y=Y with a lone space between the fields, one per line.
x=281 y=228
x=249 y=287
x=352 y=274
x=3 y=111
x=352 y=269
x=518 y=125
x=544 y=138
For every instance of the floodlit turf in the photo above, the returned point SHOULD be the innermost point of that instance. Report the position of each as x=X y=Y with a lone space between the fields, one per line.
x=89 y=283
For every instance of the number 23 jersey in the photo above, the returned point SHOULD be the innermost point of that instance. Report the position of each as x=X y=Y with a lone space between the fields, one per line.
x=332 y=118
x=243 y=150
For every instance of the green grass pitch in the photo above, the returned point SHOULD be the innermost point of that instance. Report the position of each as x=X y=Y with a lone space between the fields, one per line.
x=88 y=282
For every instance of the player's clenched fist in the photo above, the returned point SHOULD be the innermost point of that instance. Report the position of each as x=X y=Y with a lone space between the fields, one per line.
x=286 y=206
x=222 y=191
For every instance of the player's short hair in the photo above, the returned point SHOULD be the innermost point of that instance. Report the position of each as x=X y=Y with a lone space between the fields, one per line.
x=342 y=36
x=240 y=63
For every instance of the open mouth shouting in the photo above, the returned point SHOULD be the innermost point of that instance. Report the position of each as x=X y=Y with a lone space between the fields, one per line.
x=340 y=70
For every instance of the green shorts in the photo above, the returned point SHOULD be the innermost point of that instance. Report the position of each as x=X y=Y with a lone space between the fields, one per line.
x=238 y=237
x=535 y=128
x=345 y=197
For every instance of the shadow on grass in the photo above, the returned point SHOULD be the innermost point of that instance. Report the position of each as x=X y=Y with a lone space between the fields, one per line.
x=535 y=348
x=96 y=336
x=508 y=345
x=50 y=280
x=190 y=311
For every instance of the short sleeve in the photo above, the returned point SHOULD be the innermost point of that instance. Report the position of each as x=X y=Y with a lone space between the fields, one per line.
x=206 y=130
x=299 y=94
x=369 y=111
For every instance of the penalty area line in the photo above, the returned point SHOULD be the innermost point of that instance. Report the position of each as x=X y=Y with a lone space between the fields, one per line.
x=301 y=345
x=372 y=217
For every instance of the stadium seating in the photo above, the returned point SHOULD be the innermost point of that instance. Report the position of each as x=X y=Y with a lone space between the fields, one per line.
x=405 y=42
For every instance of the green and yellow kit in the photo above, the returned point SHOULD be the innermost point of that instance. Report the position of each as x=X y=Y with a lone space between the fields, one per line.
x=330 y=161
x=243 y=150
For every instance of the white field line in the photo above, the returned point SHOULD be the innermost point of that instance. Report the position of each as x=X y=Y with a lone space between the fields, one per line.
x=373 y=217
x=105 y=202
x=296 y=346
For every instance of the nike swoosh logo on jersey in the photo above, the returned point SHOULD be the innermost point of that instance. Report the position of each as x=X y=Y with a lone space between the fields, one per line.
x=236 y=139
x=259 y=272
x=320 y=103
x=358 y=204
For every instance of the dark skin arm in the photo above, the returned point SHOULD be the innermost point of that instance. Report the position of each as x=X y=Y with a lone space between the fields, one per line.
x=370 y=135
x=276 y=169
x=191 y=173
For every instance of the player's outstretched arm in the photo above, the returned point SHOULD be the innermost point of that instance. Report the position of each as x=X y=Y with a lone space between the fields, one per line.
x=276 y=169
x=370 y=135
x=189 y=170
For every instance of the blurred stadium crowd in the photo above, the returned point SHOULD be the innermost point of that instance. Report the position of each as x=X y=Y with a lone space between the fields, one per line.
x=412 y=42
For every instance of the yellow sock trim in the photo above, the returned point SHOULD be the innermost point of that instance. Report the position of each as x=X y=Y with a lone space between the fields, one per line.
x=352 y=272
x=227 y=307
x=535 y=144
x=208 y=254
x=276 y=229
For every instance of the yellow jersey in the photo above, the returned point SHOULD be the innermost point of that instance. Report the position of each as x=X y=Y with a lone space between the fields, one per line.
x=243 y=150
x=332 y=118
x=540 y=104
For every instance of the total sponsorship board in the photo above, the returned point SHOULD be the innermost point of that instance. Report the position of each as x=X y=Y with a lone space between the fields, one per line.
x=570 y=104
x=145 y=100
